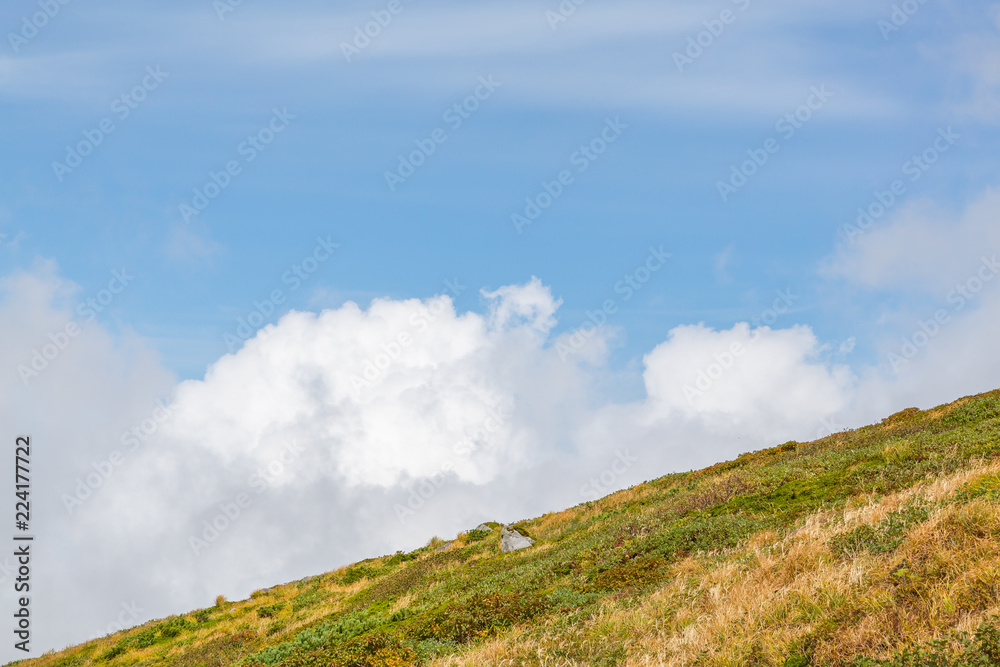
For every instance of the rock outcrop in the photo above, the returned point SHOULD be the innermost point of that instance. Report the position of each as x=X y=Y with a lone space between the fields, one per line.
x=511 y=540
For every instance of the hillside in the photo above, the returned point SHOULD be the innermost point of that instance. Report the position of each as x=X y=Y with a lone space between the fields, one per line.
x=874 y=546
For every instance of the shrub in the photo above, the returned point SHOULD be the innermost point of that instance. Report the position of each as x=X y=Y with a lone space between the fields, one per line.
x=357 y=573
x=378 y=650
x=174 y=626
x=224 y=650
x=481 y=616
x=115 y=651
x=956 y=649
x=702 y=532
x=475 y=535
x=307 y=642
x=881 y=538
x=401 y=558
x=145 y=638
x=270 y=610
x=633 y=574
x=973 y=412
x=307 y=599
x=427 y=649
x=987 y=487
x=220 y=601
x=564 y=598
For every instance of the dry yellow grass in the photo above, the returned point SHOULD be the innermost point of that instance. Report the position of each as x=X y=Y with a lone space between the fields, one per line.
x=749 y=606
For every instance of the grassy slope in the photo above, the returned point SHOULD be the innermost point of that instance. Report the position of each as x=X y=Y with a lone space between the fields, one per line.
x=836 y=552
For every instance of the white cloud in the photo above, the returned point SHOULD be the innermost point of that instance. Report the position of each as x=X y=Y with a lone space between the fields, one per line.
x=922 y=247
x=722 y=262
x=601 y=55
x=90 y=387
x=761 y=383
x=978 y=56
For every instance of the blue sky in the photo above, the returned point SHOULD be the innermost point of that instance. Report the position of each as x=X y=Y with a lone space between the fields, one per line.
x=420 y=322
x=324 y=176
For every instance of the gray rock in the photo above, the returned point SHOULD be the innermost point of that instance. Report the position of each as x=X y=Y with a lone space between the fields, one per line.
x=443 y=547
x=483 y=526
x=511 y=540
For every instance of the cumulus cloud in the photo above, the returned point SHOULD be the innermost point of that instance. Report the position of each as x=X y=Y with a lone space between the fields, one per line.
x=760 y=382
x=378 y=395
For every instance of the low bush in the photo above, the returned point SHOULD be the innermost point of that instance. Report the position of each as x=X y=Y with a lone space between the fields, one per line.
x=701 y=532
x=481 y=616
x=308 y=598
x=631 y=575
x=270 y=610
x=956 y=649
x=881 y=538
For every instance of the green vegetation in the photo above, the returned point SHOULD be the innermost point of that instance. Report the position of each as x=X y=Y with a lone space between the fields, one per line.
x=884 y=536
x=878 y=546
x=475 y=535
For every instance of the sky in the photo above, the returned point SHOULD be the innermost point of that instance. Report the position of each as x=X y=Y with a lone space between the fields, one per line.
x=288 y=285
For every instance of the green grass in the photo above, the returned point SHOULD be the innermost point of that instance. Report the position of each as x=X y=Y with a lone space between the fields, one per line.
x=883 y=537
